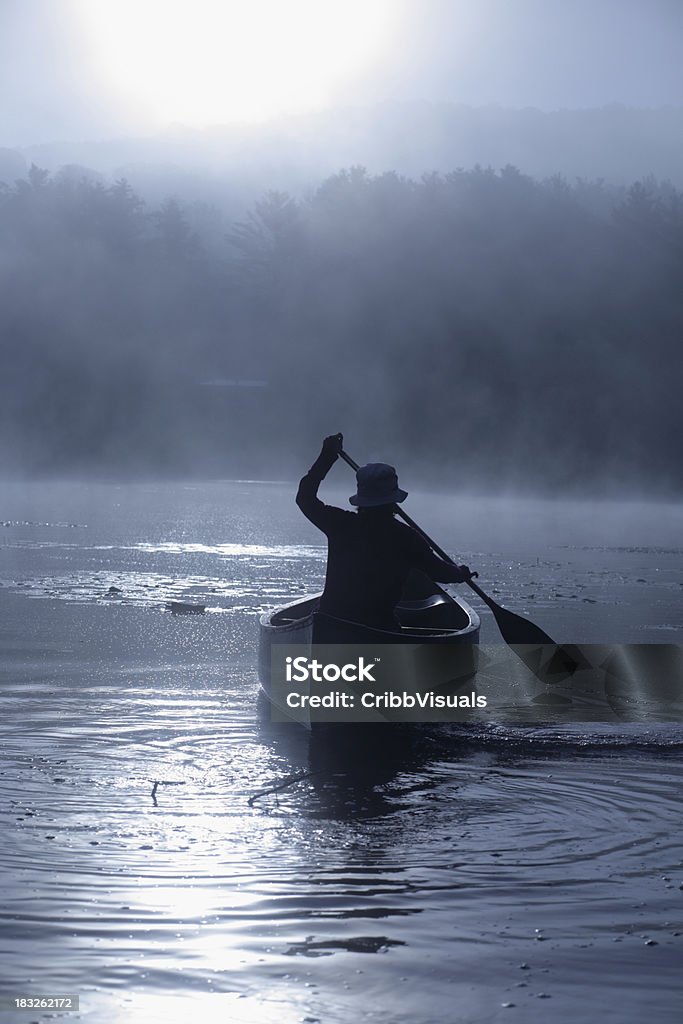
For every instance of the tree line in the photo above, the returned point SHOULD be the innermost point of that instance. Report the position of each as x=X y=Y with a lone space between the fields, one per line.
x=506 y=330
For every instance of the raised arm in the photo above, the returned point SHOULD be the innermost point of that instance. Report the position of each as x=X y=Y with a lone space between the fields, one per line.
x=307 y=495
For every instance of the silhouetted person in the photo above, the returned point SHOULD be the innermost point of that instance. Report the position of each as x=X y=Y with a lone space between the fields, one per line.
x=370 y=553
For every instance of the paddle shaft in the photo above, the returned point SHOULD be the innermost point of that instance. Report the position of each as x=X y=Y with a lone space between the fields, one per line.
x=418 y=529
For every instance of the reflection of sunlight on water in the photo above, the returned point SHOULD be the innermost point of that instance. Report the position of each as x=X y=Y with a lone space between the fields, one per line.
x=575 y=568
x=295 y=551
x=232 y=550
x=211 y=1008
x=223 y=577
x=250 y=592
x=464 y=845
x=298 y=906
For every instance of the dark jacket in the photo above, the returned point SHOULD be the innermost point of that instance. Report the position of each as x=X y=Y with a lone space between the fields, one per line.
x=370 y=555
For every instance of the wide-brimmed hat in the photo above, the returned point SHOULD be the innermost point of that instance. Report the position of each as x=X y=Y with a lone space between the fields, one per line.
x=377 y=484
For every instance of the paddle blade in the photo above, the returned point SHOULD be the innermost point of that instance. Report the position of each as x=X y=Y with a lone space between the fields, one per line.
x=515 y=629
x=550 y=662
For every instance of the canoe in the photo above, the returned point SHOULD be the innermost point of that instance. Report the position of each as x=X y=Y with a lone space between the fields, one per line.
x=428 y=616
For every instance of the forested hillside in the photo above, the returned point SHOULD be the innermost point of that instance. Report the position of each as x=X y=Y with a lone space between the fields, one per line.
x=519 y=332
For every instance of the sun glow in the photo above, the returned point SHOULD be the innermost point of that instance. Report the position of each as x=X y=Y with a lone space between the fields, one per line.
x=202 y=62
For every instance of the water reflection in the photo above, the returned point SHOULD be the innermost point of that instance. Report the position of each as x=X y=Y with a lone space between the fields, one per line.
x=413 y=870
x=350 y=769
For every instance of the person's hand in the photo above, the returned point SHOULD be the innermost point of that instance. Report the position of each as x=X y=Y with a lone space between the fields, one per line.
x=333 y=445
x=466 y=573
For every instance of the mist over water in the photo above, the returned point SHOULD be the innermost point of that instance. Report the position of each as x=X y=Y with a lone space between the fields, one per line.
x=475 y=326
x=596 y=572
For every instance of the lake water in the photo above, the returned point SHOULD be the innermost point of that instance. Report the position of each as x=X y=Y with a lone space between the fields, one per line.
x=481 y=874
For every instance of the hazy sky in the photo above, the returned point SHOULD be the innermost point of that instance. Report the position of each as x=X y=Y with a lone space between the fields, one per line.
x=91 y=69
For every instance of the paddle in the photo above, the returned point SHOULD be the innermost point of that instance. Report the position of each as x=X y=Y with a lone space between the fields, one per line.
x=515 y=629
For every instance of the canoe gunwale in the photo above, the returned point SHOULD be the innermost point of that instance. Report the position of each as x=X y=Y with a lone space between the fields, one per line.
x=469 y=633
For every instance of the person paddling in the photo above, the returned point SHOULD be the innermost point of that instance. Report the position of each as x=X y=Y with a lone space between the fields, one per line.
x=370 y=553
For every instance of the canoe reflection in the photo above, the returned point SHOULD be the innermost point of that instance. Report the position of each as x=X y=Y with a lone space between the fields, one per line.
x=352 y=768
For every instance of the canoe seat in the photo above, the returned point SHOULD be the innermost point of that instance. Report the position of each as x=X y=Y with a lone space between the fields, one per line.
x=435 y=612
x=424 y=602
